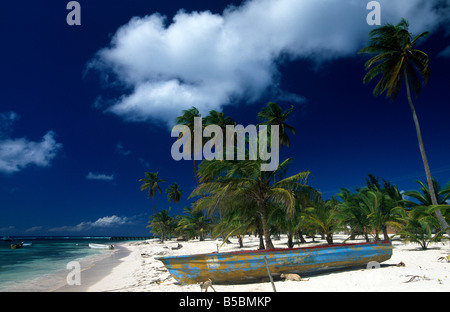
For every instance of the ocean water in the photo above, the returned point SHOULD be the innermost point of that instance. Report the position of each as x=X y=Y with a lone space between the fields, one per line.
x=43 y=265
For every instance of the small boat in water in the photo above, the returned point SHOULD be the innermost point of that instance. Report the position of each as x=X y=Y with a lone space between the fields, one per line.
x=27 y=244
x=101 y=246
x=241 y=266
x=16 y=246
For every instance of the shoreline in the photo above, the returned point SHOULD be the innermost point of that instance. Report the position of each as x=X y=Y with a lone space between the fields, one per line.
x=96 y=270
x=137 y=270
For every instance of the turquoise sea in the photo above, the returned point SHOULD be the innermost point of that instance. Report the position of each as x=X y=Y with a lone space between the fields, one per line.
x=43 y=265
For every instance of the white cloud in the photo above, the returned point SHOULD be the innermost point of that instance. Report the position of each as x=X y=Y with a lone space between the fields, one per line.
x=104 y=222
x=16 y=154
x=99 y=176
x=110 y=221
x=210 y=60
x=34 y=229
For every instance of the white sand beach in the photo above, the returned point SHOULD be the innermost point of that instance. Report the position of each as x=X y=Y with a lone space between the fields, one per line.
x=141 y=272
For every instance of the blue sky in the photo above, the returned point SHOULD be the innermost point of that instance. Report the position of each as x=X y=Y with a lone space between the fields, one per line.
x=87 y=109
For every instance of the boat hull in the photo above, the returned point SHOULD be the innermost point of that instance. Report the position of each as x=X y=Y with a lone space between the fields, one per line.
x=250 y=265
x=100 y=246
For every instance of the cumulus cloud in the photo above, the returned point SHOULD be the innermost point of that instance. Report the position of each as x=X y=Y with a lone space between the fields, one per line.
x=104 y=222
x=18 y=153
x=99 y=176
x=211 y=60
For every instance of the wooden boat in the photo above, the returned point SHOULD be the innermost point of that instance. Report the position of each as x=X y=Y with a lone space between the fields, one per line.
x=241 y=266
x=100 y=246
x=16 y=246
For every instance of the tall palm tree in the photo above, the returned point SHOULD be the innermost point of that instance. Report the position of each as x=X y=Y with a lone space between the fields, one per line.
x=174 y=194
x=187 y=119
x=219 y=119
x=150 y=182
x=398 y=61
x=272 y=114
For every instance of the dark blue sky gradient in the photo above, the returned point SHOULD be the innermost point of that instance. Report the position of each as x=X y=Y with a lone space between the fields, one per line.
x=343 y=131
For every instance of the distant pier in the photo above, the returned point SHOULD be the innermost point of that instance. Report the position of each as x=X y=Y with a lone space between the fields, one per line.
x=125 y=238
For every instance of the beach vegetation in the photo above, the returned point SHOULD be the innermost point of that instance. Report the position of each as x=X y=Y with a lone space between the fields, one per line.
x=245 y=182
x=194 y=223
x=422 y=227
x=273 y=114
x=187 y=118
x=323 y=216
x=236 y=197
x=152 y=182
x=162 y=224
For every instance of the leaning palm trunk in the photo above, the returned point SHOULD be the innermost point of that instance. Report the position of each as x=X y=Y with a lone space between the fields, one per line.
x=442 y=222
x=159 y=221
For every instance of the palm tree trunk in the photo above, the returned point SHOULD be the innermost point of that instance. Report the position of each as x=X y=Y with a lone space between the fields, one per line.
x=385 y=233
x=300 y=235
x=160 y=223
x=290 y=241
x=434 y=201
x=195 y=171
x=154 y=207
x=267 y=240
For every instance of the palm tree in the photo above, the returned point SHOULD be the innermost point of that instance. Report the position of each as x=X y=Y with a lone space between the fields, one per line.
x=399 y=62
x=219 y=119
x=151 y=182
x=424 y=196
x=246 y=183
x=324 y=216
x=272 y=114
x=352 y=215
x=236 y=220
x=194 y=223
x=162 y=224
x=174 y=194
x=420 y=225
x=187 y=119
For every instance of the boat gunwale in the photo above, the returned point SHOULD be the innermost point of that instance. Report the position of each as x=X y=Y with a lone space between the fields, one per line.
x=276 y=250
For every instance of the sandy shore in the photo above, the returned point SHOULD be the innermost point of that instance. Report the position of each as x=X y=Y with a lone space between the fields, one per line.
x=140 y=272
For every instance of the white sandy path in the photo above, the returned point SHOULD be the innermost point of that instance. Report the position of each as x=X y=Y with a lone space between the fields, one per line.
x=140 y=271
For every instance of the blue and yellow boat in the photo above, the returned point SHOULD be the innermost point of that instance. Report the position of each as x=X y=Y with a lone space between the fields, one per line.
x=241 y=266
